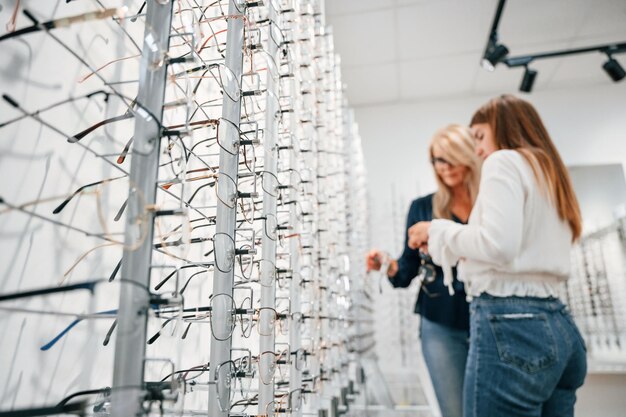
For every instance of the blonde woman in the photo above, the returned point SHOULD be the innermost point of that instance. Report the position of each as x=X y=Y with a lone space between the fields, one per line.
x=526 y=355
x=442 y=306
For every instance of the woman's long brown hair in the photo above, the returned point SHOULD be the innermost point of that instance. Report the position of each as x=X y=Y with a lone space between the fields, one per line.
x=516 y=125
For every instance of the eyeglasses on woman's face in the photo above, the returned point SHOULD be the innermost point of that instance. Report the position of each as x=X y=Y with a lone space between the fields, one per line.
x=450 y=173
x=439 y=162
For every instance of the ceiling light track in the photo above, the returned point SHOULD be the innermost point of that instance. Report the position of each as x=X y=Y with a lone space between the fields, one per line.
x=496 y=52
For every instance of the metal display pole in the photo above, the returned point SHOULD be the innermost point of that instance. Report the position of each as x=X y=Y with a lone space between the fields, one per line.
x=295 y=299
x=323 y=334
x=130 y=345
x=334 y=114
x=318 y=222
x=267 y=338
x=296 y=287
x=223 y=278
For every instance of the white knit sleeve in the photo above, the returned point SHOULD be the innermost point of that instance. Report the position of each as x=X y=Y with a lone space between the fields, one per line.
x=496 y=235
x=440 y=252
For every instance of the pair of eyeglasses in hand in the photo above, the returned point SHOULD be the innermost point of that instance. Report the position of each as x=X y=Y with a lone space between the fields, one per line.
x=427 y=274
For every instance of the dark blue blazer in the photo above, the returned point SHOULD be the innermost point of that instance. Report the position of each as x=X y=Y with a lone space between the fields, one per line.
x=435 y=304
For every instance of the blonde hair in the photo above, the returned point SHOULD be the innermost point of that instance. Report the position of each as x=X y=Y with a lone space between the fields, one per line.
x=517 y=125
x=457 y=145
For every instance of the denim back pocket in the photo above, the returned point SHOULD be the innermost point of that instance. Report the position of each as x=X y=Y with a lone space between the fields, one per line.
x=524 y=340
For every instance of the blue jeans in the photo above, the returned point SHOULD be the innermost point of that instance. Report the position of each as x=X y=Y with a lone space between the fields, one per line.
x=526 y=358
x=445 y=353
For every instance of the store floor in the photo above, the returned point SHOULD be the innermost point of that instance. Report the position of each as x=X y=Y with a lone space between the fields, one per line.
x=405 y=394
x=602 y=395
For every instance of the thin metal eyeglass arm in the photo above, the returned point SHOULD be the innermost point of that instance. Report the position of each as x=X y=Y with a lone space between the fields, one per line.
x=87 y=285
x=46 y=411
x=58 y=337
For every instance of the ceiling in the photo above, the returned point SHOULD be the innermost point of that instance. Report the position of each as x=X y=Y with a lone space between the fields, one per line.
x=412 y=50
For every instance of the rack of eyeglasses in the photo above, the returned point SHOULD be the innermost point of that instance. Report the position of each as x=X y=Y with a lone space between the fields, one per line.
x=184 y=227
x=596 y=291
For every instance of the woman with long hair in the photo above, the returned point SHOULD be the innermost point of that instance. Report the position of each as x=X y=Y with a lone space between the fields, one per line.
x=526 y=356
x=441 y=303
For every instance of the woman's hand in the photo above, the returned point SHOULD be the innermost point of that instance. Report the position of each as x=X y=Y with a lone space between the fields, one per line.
x=373 y=260
x=418 y=235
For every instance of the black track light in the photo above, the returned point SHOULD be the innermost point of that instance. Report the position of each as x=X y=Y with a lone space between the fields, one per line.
x=494 y=55
x=529 y=79
x=614 y=69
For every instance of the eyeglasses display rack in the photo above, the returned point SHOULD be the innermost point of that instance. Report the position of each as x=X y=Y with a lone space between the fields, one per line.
x=596 y=295
x=185 y=225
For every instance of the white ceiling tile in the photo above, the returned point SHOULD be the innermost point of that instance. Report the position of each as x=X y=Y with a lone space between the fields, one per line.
x=412 y=2
x=532 y=22
x=441 y=28
x=371 y=84
x=605 y=17
x=352 y=7
x=365 y=38
x=437 y=77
